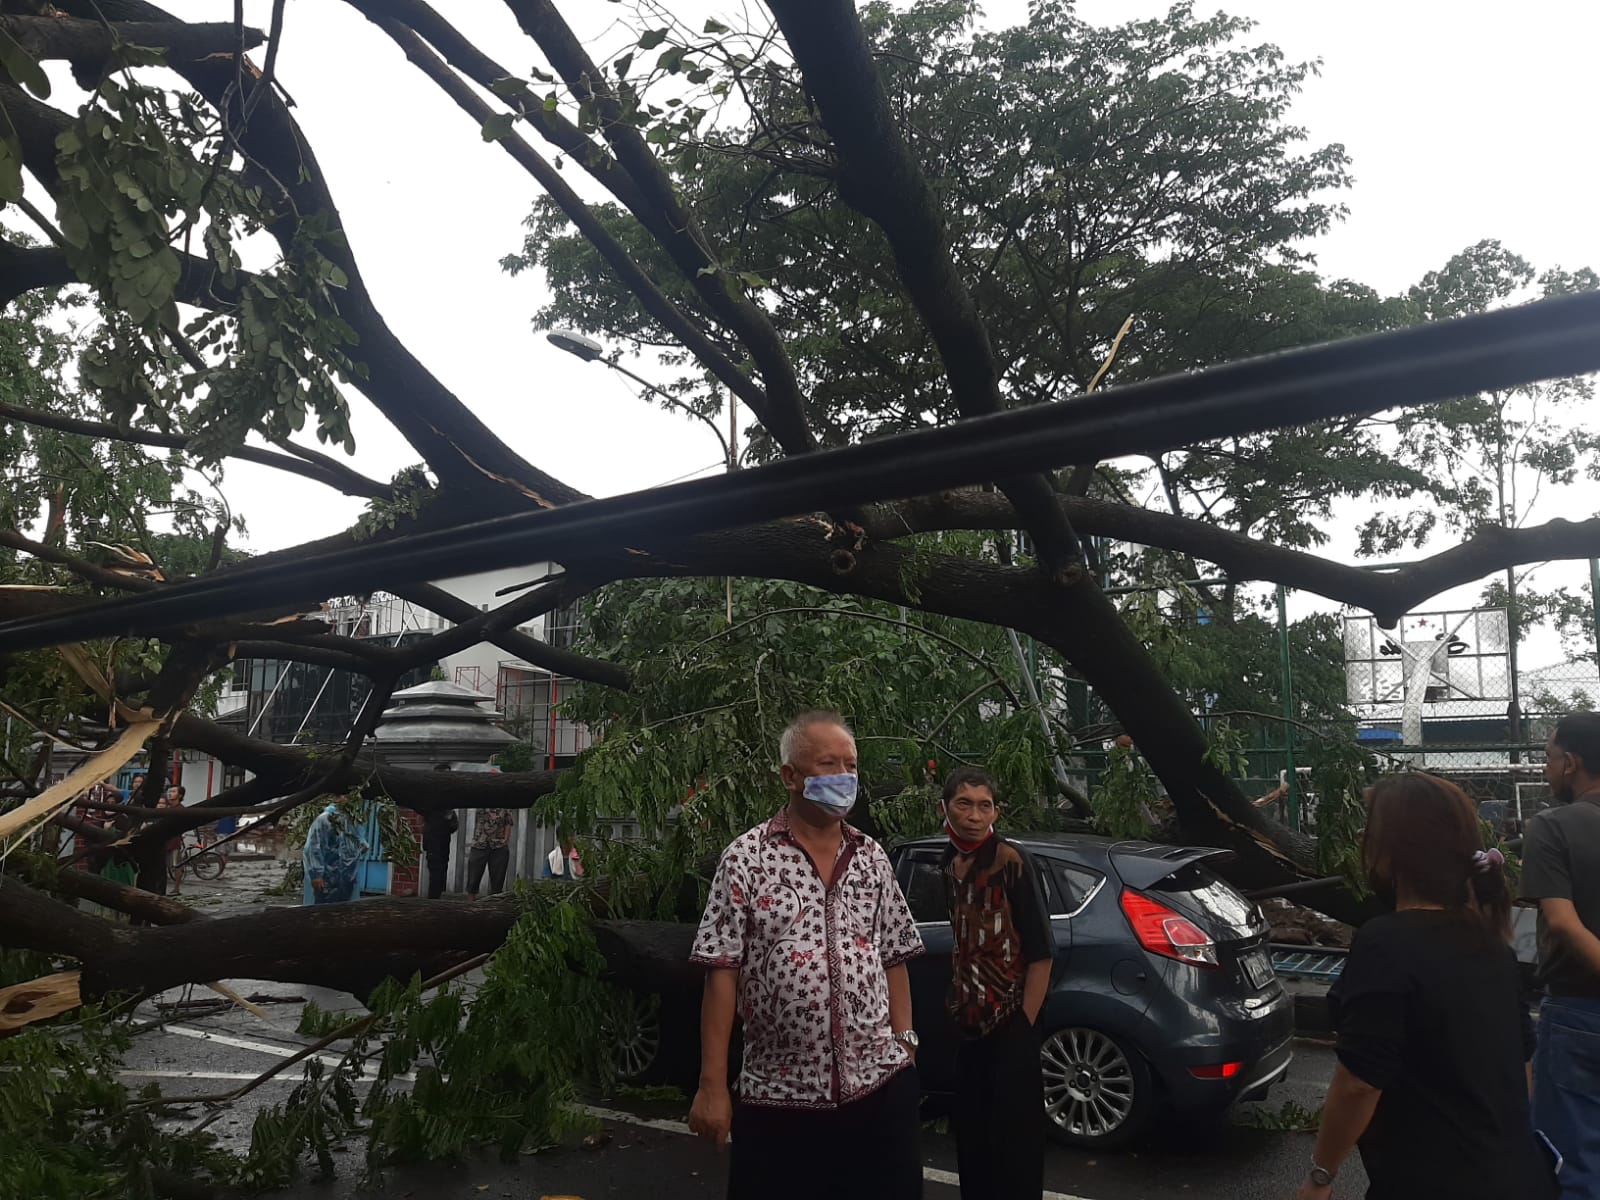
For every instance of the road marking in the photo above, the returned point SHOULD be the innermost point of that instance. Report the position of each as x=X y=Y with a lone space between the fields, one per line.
x=205 y=1035
x=931 y=1174
x=241 y=1076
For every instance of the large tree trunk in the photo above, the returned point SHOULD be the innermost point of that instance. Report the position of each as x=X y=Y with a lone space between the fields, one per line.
x=349 y=947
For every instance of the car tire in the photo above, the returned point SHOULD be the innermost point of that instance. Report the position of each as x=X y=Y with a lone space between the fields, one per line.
x=633 y=1026
x=1099 y=1093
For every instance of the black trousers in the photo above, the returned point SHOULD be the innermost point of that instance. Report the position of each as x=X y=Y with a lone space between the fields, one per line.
x=999 y=1114
x=865 y=1150
x=496 y=859
x=438 y=867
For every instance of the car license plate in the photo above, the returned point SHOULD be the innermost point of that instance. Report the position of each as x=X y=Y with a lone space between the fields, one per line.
x=1257 y=969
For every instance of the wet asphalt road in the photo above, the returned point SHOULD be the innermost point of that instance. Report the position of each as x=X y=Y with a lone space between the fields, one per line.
x=651 y=1155
x=201 y=1053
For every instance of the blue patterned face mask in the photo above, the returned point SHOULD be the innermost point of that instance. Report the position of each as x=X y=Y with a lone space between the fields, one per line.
x=836 y=793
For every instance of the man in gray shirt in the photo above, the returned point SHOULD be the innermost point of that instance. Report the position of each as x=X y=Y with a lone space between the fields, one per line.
x=1561 y=872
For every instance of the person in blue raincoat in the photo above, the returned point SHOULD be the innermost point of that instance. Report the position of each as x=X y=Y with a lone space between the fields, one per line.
x=332 y=857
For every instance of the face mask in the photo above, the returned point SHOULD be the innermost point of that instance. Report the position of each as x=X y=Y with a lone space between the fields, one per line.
x=836 y=793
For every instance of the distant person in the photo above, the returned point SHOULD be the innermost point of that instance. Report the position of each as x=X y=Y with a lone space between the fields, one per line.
x=173 y=799
x=563 y=862
x=222 y=832
x=332 y=856
x=1433 y=1035
x=490 y=848
x=90 y=813
x=1561 y=871
x=1003 y=953
x=806 y=938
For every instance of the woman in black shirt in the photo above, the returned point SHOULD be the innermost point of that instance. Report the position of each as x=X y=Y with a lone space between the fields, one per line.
x=1433 y=1035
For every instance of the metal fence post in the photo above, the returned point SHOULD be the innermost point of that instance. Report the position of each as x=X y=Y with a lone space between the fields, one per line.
x=1594 y=603
x=1287 y=673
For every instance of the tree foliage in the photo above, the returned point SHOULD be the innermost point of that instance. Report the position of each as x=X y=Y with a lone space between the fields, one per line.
x=856 y=237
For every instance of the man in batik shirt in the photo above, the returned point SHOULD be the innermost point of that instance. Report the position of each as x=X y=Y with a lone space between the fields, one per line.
x=1000 y=973
x=806 y=937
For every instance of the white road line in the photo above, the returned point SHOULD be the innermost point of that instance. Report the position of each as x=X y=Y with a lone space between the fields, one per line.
x=241 y=1076
x=222 y=1039
x=931 y=1174
x=206 y=1035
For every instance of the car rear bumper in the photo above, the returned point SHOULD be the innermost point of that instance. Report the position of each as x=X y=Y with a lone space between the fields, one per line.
x=1259 y=1039
x=1185 y=1092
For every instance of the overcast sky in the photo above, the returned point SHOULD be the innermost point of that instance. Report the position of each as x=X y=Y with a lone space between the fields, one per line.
x=1464 y=120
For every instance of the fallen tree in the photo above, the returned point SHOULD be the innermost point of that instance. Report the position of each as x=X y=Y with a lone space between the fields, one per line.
x=267 y=342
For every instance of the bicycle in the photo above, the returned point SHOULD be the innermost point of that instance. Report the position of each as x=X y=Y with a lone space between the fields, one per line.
x=198 y=860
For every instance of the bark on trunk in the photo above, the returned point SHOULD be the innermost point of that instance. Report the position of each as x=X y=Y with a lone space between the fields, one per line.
x=348 y=947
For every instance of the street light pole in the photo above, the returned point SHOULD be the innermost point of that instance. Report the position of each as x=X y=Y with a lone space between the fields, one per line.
x=589 y=350
x=732 y=447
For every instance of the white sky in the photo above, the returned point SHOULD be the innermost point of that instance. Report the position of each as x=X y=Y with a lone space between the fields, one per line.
x=1465 y=120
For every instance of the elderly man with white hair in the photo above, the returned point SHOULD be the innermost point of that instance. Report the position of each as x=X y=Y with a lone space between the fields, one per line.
x=806 y=937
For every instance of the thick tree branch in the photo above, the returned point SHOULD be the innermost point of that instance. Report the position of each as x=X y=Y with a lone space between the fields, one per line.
x=93 y=45
x=288 y=767
x=485 y=72
x=26 y=268
x=350 y=947
x=307 y=463
x=458 y=446
x=1388 y=595
x=655 y=302
x=880 y=178
x=526 y=647
x=78 y=566
x=673 y=226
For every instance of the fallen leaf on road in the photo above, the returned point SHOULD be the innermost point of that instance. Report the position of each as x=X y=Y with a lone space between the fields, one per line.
x=596 y=1141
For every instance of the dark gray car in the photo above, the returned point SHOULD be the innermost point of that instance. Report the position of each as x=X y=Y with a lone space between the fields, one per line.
x=1163 y=993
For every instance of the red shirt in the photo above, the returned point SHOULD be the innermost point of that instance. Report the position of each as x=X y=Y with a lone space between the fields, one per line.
x=813 y=993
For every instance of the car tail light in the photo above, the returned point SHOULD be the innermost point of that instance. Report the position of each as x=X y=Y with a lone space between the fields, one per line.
x=1217 y=1071
x=1162 y=931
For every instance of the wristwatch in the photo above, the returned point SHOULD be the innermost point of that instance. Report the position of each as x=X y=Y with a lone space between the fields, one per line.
x=908 y=1038
x=1321 y=1176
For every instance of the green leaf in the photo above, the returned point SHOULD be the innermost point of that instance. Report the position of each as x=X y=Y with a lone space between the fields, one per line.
x=623 y=62
x=671 y=59
x=498 y=126
x=651 y=38
x=714 y=26
x=22 y=67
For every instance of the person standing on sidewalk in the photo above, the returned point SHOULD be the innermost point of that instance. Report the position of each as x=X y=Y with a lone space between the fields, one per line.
x=806 y=936
x=1561 y=871
x=1004 y=951
x=491 y=848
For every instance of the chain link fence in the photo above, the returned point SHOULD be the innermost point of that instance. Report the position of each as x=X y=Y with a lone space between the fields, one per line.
x=1439 y=693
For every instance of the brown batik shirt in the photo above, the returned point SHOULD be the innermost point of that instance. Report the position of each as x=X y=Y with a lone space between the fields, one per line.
x=1000 y=925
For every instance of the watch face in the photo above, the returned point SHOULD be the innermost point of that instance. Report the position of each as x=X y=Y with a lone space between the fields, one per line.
x=1321 y=1177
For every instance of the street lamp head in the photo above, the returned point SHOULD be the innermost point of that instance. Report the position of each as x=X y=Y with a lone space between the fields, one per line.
x=575 y=344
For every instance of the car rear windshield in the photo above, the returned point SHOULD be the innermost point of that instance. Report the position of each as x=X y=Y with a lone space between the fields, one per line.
x=1198 y=889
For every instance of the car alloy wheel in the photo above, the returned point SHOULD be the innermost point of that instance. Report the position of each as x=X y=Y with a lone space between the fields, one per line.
x=1092 y=1089
x=633 y=1026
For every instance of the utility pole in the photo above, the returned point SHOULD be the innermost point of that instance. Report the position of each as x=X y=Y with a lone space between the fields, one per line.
x=733 y=465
